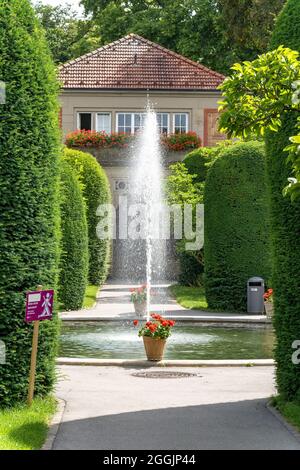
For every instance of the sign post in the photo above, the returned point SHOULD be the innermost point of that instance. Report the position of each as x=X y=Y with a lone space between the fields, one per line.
x=39 y=306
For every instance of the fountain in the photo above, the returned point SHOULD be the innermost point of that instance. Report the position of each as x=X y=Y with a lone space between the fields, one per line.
x=145 y=249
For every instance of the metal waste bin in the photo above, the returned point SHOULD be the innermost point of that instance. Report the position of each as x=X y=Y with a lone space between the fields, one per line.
x=255 y=295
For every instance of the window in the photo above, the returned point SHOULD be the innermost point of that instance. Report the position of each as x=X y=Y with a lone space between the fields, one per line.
x=103 y=122
x=180 y=123
x=139 y=121
x=124 y=123
x=85 y=121
x=130 y=123
x=163 y=122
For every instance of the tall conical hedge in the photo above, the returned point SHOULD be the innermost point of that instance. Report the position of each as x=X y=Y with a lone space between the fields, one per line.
x=96 y=191
x=285 y=222
x=74 y=241
x=237 y=236
x=29 y=152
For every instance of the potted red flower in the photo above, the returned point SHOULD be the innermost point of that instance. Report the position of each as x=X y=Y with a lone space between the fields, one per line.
x=155 y=333
x=139 y=299
x=268 y=298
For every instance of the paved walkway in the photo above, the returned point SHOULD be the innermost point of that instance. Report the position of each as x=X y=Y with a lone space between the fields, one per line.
x=220 y=408
x=113 y=303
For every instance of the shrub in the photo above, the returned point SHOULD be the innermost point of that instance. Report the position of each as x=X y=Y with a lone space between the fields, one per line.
x=236 y=225
x=29 y=150
x=197 y=162
x=74 y=252
x=285 y=223
x=181 y=190
x=96 y=191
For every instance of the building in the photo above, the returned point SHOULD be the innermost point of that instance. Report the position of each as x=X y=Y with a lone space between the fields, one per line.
x=107 y=90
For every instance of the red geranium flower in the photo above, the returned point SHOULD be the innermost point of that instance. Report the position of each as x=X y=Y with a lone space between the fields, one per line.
x=135 y=322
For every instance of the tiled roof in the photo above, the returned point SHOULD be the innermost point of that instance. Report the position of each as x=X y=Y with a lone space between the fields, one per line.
x=133 y=62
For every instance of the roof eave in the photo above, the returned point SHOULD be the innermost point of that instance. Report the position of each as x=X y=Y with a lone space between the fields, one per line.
x=144 y=90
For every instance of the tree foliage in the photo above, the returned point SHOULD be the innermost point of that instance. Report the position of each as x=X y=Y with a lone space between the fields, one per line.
x=249 y=23
x=259 y=95
x=29 y=170
x=208 y=31
x=282 y=77
x=286 y=224
x=68 y=35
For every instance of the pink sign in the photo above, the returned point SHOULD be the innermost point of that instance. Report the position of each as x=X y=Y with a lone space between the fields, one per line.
x=39 y=305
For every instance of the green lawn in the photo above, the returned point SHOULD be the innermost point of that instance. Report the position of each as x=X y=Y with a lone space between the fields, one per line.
x=90 y=296
x=24 y=428
x=290 y=410
x=190 y=297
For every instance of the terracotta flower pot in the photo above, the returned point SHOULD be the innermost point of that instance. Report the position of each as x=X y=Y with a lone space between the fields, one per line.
x=269 y=309
x=140 y=308
x=154 y=348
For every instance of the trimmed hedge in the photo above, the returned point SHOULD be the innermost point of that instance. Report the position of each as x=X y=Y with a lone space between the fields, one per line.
x=29 y=184
x=198 y=160
x=197 y=163
x=236 y=225
x=96 y=191
x=285 y=222
x=74 y=260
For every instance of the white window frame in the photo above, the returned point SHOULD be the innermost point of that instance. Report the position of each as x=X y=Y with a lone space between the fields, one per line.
x=168 y=125
x=133 y=114
x=105 y=113
x=187 y=121
x=132 y=124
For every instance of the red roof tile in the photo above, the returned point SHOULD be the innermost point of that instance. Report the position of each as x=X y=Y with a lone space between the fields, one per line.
x=133 y=62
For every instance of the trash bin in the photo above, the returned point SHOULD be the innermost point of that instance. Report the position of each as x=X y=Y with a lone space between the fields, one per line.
x=255 y=295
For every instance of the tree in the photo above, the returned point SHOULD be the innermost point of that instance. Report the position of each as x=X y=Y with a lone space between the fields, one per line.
x=280 y=77
x=257 y=98
x=286 y=225
x=29 y=170
x=208 y=31
x=249 y=23
x=68 y=35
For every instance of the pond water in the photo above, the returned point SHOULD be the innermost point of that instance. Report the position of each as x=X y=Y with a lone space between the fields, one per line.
x=119 y=340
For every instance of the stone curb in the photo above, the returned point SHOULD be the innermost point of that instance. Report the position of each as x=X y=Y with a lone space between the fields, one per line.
x=194 y=319
x=292 y=429
x=54 y=425
x=74 y=361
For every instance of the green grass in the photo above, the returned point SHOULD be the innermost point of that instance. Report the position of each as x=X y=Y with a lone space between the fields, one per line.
x=290 y=410
x=24 y=428
x=90 y=296
x=190 y=297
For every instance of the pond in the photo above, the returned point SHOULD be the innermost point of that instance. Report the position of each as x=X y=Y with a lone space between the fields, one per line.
x=119 y=340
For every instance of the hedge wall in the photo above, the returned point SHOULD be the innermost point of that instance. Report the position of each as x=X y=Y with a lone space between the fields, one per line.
x=74 y=253
x=196 y=162
x=29 y=150
x=285 y=222
x=237 y=244
x=96 y=191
